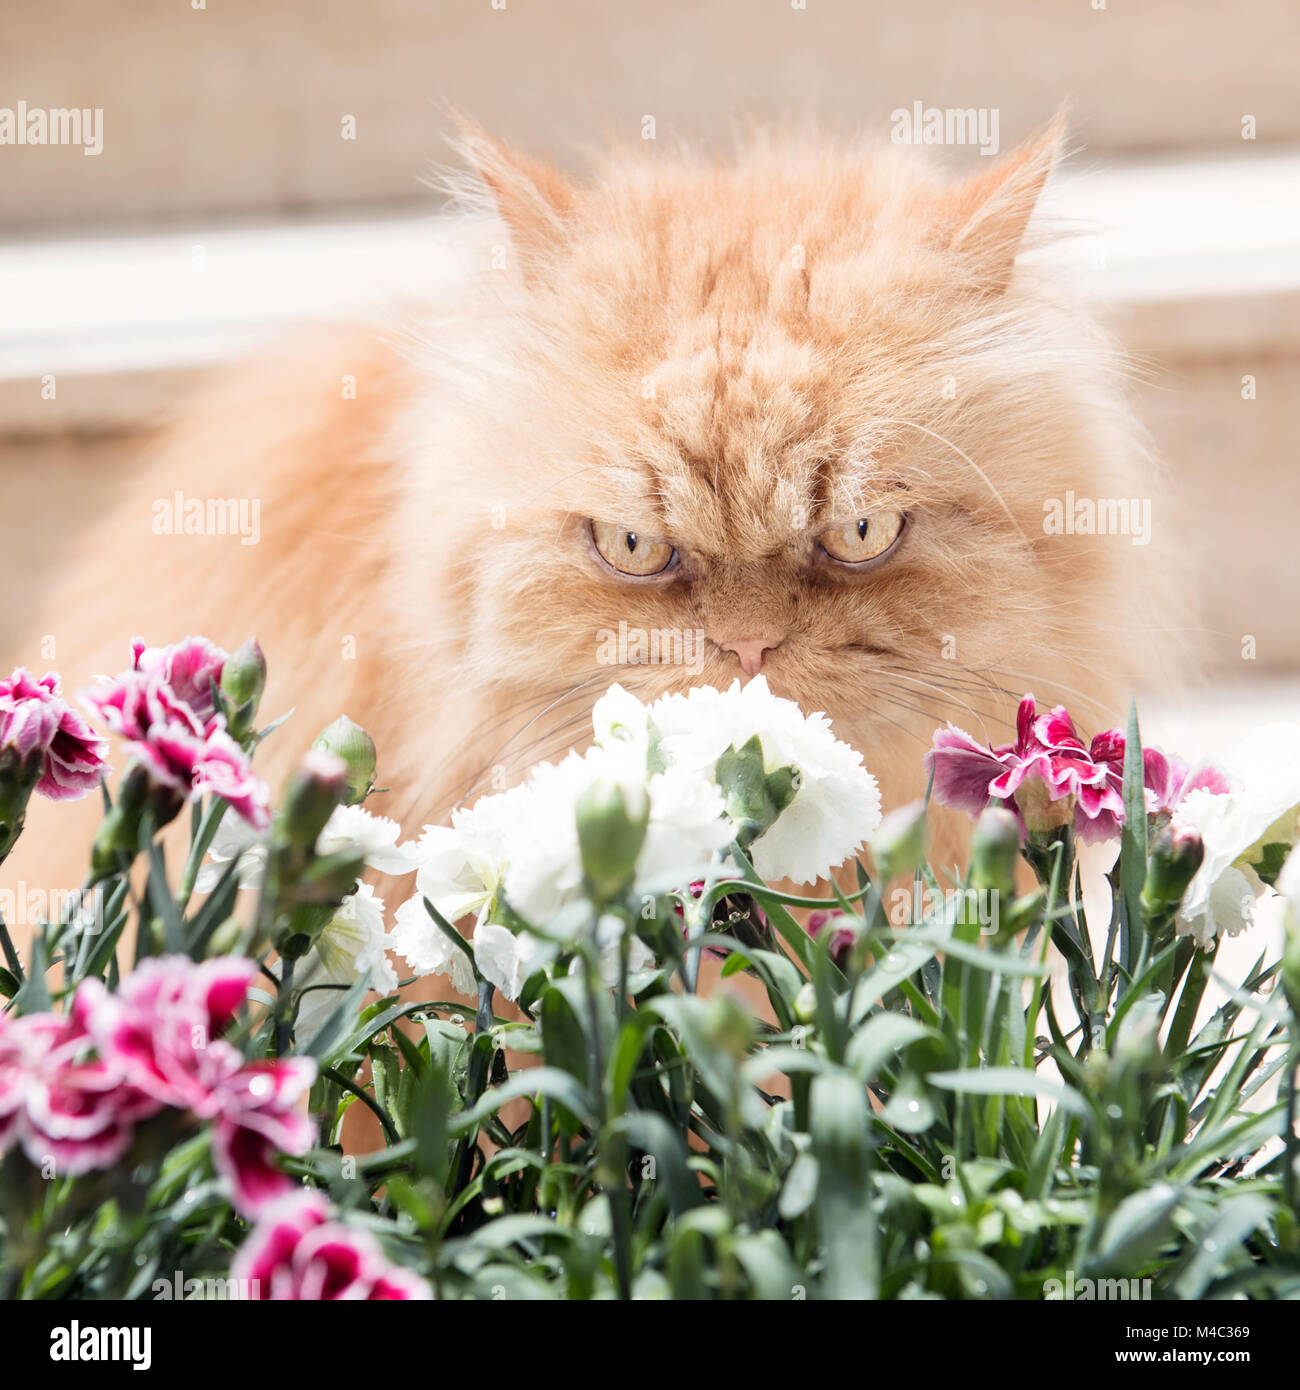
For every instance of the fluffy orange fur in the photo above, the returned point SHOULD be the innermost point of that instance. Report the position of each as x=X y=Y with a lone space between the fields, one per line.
x=728 y=357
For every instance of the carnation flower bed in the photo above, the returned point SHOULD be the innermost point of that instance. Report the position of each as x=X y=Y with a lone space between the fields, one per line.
x=601 y=1055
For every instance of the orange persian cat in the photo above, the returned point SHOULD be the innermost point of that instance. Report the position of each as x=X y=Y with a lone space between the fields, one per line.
x=798 y=414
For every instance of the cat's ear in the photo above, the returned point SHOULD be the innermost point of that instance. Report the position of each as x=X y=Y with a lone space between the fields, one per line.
x=531 y=197
x=983 y=219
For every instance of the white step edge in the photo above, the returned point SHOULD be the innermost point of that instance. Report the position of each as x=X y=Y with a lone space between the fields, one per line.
x=1196 y=256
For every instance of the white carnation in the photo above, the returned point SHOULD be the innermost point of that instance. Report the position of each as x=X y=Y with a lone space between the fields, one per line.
x=836 y=807
x=353 y=941
x=1262 y=807
x=349 y=828
x=505 y=959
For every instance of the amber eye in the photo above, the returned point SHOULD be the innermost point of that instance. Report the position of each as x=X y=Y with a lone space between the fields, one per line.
x=865 y=539
x=629 y=552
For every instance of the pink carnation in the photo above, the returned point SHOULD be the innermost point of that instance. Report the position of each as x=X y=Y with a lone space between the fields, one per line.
x=36 y=720
x=190 y=668
x=60 y=1103
x=262 y=1116
x=1049 y=777
x=174 y=731
x=842 y=938
x=224 y=769
x=162 y=1029
x=297 y=1252
x=161 y=1033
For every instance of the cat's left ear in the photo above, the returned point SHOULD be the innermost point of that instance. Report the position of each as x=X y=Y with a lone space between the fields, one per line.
x=983 y=219
x=531 y=197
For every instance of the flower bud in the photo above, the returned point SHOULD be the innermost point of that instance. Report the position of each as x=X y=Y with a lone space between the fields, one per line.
x=18 y=778
x=114 y=836
x=119 y=831
x=612 y=821
x=349 y=741
x=228 y=939
x=898 y=846
x=729 y=1026
x=805 y=1003
x=317 y=787
x=1174 y=858
x=329 y=878
x=994 y=851
x=842 y=938
x=243 y=678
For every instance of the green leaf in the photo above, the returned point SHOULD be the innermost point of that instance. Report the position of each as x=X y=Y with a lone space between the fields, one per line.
x=329 y=1041
x=1010 y=1081
x=1137 y=1228
x=766 y=1261
x=841 y=1144
x=534 y=1082
x=1227 y=1229
x=881 y=1037
x=1133 y=841
x=1271 y=859
x=800 y=1187
x=910 y=1108
x=653 y=1135
x=903 y=959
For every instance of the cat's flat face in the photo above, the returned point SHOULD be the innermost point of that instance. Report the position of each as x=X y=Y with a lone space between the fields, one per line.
x=790 y=417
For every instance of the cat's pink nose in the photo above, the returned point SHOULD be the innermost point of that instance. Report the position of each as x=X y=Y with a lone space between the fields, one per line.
x=752 y=652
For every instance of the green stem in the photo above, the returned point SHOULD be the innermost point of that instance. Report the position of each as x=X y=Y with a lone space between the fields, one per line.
x=11 y=953
x=198 y=849
x=1289 y=1175
x=282 y=1023
x=476 y=1082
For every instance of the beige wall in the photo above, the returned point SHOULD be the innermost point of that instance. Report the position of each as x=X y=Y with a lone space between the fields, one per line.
x=237 y=106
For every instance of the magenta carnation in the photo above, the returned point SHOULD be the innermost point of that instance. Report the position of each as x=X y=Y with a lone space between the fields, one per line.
x=1049 y=776
x=36 y=721
x=297 y=1252
x=262 y=1117
x=173 y=730
x=190 y=668
x=842 y=938
x=162 y=1030
x=58 y=1102
x=161 y=1033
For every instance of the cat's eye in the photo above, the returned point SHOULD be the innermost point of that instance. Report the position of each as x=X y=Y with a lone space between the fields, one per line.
x=867 y=538
x=629 y=552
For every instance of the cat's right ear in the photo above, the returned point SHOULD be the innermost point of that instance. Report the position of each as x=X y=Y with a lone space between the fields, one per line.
x=531 y=197
x=983 y=220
